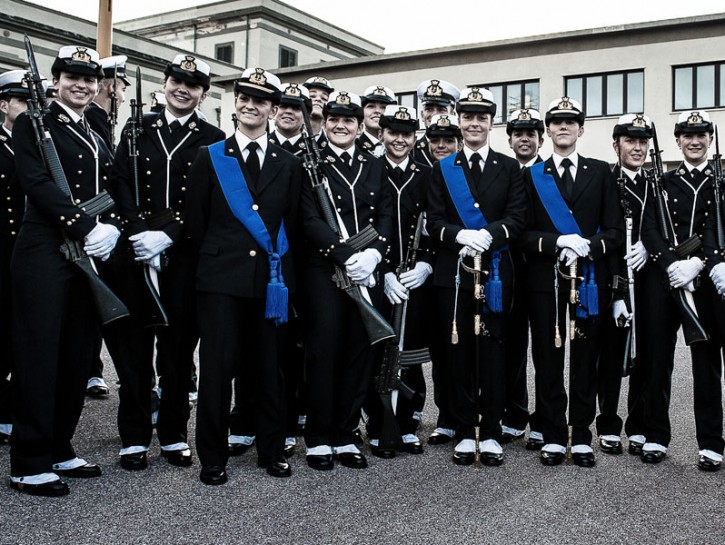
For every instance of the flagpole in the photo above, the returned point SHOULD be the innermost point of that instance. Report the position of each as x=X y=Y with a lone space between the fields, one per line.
x=104 y=37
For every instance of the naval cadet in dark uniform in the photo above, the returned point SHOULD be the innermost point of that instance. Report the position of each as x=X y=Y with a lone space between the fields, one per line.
x=374 y=101
x=444 y=136
x=288 y=121
x=574 y=217
x=156 y=238
x=319 y=89
x=689 y=190
x=338 y=355
x=54 y=318
x=242 y=217
x=405 y=282
x=631 y=137
x=435 y=97
x=476 y=205
x=525 y=130
x=13 y=96
x=102 y=117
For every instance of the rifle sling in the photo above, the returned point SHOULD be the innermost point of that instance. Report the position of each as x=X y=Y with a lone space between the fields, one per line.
x=688 y=247
x=159 y=220
x=98 y=204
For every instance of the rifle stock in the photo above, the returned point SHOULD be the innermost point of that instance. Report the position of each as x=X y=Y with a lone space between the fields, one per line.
x=109 y=306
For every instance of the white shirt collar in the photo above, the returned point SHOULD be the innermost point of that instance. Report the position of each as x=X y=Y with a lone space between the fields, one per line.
x=574 y=158
x=403 y=165
x=170 y=118
x=700 y=167
x=282 y=139
x=339 y=151
x=7 y=131
x=483 y=152
x=631 y=174
x=531 y=162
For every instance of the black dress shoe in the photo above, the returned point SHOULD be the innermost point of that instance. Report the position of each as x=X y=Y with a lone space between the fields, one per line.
x=491 y=458
x=181 y=458
x=276 y=467
x=53 y=488
x=635 y=448
x=381 y=452
x=653 y=456
x=551 y=458
x=237 y=449
x=707 y=464
x=610 y=447
x=508 y=437
x=535 y=444
x=463 y=458
x=86 y=471
x=357 y=437
x=353 y=460
x=583 y=459
x=213 y=475
x=4 y=438
x=289 y=451
x=134 y=462
x=413 y=448
x=439 y=438
x=321 y=462
x=97 y=391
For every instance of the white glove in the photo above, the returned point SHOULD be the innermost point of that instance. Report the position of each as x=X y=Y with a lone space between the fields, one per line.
x=368 y=282
x=101 y=241
x=717 y=275
x=579 y=245
x=568 y=256
x=362 y=264
x=637 y=256
x=682 y=272
x=149 y=244
x=154 y=263
x=417 y=276
x=478 y=240
x=467 y=251
x=394 y=290
x=619 y=310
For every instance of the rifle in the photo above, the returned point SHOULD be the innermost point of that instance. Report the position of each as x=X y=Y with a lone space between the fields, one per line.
x=109 y=306
x=630 y=354
x=375 y=325
x=113 y=114
x=395 y=359
x=717 y=188
x=155 y=313
x=691 y=327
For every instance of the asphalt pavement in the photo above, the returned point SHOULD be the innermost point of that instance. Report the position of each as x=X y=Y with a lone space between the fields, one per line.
x=423 y=499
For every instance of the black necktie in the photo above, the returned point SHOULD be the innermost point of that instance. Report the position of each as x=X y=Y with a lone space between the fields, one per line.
x=694 y=174
x=476 y=167
x=345 y=158
x=253 y=162
x=566 y=177
x=398 y=175
x=287 y=146
x=175 y=126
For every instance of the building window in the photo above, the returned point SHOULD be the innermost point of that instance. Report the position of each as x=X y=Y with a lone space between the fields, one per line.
x=224 y=52
x=513 y=96
x=287 y=57
x=615 y=93
x=409 y=100
x=700 y=86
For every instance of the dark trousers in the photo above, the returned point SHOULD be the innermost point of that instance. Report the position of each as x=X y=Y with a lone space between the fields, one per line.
x=6 y=251
x=338 y=361
x=551 y=394
x=663 y=323
x=54 y=321
x=228 y=326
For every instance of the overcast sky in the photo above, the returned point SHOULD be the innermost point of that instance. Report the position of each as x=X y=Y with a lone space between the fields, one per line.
x=405 y=25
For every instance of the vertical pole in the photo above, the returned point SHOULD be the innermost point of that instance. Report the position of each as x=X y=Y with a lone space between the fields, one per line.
x=104 y=36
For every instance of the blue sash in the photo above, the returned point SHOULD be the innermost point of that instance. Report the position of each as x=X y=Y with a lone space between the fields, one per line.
x=565 y=223
x=473 y=218
x=236 y=192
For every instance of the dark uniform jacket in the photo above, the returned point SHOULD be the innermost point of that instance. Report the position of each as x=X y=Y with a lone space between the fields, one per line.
x=366 y=143
x=156 y=194
x=410 y=199
x=501 y=196
x=421 y=152
x=12 y=199
x=99 y=121
x=230 y=260
x=595 y=207
x=366 y=202
x=689 y=203
x=48 y=209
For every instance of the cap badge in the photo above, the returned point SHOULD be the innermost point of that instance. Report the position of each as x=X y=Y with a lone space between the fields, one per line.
x=24 y=83
x=695 y=119
x=565 y=104
x=343 y=98
x=639 y=122
x=434 y=89
x=402 y=114
x=524 y=115
x=154 y=102
x=444 y=121
x=475 y=95
x=258 y=77
x=188 y=64
x=380 y=91
x=81 y=55
x=293 y=90
x=320 y=79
